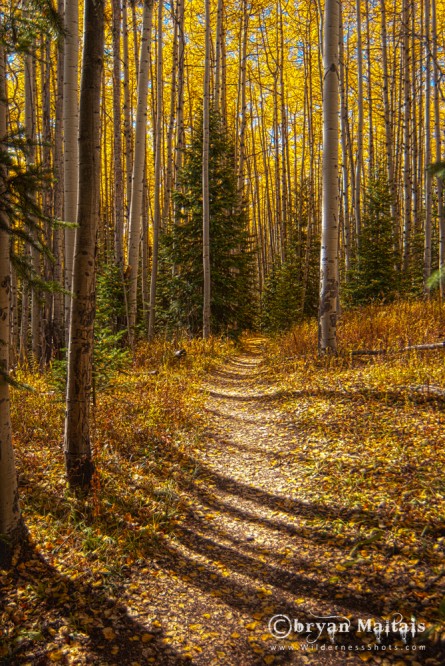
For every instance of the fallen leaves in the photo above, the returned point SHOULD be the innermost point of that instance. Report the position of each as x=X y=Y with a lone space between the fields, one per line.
x=317 y=489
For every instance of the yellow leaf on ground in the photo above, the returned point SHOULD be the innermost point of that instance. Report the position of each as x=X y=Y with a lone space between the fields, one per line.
x=251 y=626
x=109 y=634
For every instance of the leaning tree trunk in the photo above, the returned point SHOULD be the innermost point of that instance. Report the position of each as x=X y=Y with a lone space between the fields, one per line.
x=329 y=240
x=77 y=445
x=206 y=310
x=10 y=520
x=137 y=188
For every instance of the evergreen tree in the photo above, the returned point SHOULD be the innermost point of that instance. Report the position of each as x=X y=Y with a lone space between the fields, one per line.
x=373 y=275
x=231 y=262
x=291 y=288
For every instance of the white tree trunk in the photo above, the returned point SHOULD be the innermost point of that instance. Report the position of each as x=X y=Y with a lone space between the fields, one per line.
x=428 y=189
x=437 y=137
x=10 y=521
x=329 y=240
x=117 y=138
x=137 y=187
x=359 y=159
x=70 y=140
x=206 y=311
x=158 y=169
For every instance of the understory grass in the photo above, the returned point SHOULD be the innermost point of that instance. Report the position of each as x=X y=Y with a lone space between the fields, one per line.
x=144 y=429
x=370 y=441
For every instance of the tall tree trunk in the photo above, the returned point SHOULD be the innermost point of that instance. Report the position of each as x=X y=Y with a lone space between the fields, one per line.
x=169 y=172
x=438 y=153
x=77 y=446
x=137 y=188
x=117 y=139
x=127 y=110
x=58 y=328
x=344 y=145
x=428 y=188
x=158 y=170
x=218 y=54
x=30 y=126
x=407 y=170
x=388 y=124
x=70 y=140
x=206 y=313
x=47 y=207
x=359 y=159
x=329 y=240
x=243 y=98
x=10 y=519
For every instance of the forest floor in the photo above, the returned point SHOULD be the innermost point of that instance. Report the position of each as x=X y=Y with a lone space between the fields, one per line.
x=284 y=516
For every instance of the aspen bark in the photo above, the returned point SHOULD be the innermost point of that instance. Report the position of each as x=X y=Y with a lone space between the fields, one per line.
x=30 y=127
x=70 y=140
x=134 y=234
x=77 y=444
x=407 y=171
x=329 y=240
x=206 y=314
x=428 y=186
x=158 y=170
x=387 y=114
x=218 y=54
x=344 y=146
x=127 y=109
x=438 y=142
x=359 y=158
x=117 y=139
x=58 y=328
x=10 y=518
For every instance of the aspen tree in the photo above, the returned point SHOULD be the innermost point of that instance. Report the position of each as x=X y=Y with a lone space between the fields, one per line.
x=428 y=187
x=206 y=311
x=30 y=128
x=329 y=239
x=407 y=170
x=58 y=328
x=438 y=142
x=158 y=170
x=70 y=139
x=369 y=90
x=137 y=187
x=127 y=109
x=117 y=139
x=10 y=519
x=344 y=146
x=77 y=444
x=165 y=216
x=242 y=94
x=180 y=141
x=359 y=158
x=387 y=115
x=218 y=54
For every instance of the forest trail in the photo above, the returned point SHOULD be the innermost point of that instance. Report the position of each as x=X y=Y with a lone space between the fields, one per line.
x=247 y=550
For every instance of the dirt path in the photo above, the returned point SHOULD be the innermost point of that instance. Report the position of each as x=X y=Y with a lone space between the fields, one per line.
x=246 y=551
